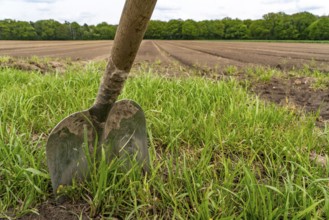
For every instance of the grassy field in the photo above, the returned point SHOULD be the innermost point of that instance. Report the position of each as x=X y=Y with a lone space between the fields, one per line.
x=217 y=152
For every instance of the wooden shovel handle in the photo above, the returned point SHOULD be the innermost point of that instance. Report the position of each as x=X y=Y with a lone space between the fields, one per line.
x=134 y=19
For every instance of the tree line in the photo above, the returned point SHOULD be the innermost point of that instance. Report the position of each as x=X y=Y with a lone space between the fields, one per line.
x=272 y=26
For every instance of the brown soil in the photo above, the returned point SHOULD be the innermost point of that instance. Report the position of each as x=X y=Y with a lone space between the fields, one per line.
x=65 y=211
x=42 y=66
x=212 y=53
x=76 y=50
x=296 y=93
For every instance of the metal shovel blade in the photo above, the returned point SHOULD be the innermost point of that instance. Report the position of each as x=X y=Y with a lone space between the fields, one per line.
x=66 y=155
x=124 y=137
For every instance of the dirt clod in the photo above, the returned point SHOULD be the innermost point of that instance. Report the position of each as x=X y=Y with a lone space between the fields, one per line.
x=42 y=65
x=65 y=211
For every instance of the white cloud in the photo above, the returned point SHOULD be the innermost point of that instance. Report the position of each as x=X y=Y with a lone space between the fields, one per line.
x=96 y=11
x=42 y=1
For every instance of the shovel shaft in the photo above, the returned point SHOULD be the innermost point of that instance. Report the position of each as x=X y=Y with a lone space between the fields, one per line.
x=134 y=19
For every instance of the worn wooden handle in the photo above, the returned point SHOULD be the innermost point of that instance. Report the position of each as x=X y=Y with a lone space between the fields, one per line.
x=134 y=19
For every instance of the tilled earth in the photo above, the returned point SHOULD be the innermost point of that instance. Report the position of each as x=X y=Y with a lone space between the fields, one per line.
x=296 y=93
x=202 y=53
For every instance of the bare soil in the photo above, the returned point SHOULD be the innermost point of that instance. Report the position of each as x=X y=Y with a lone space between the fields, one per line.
x=279 y=55
x=297 y=94
x=65 y=211
x=203 y=53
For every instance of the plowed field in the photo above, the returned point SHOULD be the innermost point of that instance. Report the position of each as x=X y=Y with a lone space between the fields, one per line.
x=210 y=54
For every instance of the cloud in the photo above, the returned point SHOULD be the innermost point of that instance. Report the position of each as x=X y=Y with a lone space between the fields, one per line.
x=39 y=1
x=278 y=1
x=43 y=9
x=85 y=17
x=167 y=8
x=309 y=8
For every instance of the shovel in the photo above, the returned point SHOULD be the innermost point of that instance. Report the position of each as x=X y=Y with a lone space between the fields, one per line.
x=117 y=127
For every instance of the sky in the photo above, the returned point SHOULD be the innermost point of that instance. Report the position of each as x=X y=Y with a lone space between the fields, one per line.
x=97 y=11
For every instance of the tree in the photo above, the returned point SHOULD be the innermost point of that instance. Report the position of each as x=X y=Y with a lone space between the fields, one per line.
x=215 y=29
x=63 y=31
x=203 y=27
x=46 y=29
x=16 y=30
x=5 y=33
x=22 y=30
x=259 y=30
x=87 y=32
x=156 y=30
x=286 y=30
x=76 y=31
x=190 y=29
x=281 y=26
x=104 y=31
x=319 y=30
x=272 y=20
x=235 y=29
x=302 y=21
x=273 y=26
x=174 y=29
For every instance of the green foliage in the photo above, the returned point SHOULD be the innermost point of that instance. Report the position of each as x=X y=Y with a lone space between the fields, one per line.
x=16 y=30
x=280 y=26
x=46 y=29
x=273 y=26
x=286 y=29
x=174 y=29
x=235 y=29
x=319 y=30
x=105 y=31
x=302 y=21
x=213 y=29
x=54 y=30
x=156 y=30
x=190 y=29
x=258 y=30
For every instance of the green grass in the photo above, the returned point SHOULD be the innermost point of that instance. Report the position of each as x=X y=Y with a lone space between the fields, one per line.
x=216 y=151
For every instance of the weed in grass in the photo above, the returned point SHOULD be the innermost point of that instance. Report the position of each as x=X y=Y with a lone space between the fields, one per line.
x=4 y=59
x=231 y=70
x=318 y=79
x=321 y=83
x=264 y=74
